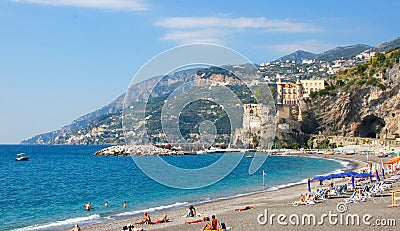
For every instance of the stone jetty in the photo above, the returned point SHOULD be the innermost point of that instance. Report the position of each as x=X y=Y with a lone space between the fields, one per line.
x=137 y=150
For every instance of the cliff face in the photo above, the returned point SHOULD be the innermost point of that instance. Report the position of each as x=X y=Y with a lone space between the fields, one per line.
x=364 y=111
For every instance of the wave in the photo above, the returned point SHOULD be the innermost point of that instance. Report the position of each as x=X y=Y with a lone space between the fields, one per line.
x=64 y=223
x=96 y=218
x=158 y=208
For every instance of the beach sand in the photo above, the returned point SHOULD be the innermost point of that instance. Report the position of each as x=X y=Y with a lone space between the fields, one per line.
x=276 y=202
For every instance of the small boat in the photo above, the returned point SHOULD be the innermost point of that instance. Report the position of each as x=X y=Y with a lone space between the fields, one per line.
x=21 y=157
x=249 y=156
x=328 y=153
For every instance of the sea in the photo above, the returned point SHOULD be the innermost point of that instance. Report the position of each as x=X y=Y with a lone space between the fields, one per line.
x=49 y=191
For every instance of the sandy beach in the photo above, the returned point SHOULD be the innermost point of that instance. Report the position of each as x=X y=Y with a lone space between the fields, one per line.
x=278 y=203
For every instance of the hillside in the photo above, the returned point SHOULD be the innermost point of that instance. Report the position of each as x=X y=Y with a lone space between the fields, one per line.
x=376 y=79
x=104 y=126
x=298 y=56
x=345 y=52
x=363 y=101
x=89 y=123
x=386 y=46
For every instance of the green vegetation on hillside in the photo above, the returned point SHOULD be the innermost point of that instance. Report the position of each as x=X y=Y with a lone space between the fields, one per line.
x=370 y=74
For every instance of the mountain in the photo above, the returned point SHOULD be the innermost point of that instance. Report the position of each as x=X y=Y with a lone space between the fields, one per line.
x=98 y=117
x=345 y=52
x=298 y=56
x=389 y=45
x=342 y=52
x=104 y=126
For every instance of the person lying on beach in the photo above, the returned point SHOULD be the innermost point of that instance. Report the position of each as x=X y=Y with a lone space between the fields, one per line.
x=163 y=219
x=304 y=200
x=76 y=228
x=146 y=219
x=244 y=208
x=197 y=221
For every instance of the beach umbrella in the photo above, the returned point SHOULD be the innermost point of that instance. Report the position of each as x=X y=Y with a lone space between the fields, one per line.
x=309 y=184
x=337 y=175
x=341 y=175
x=377 y=175
x=318 y=178
x=352 y=182
x=363 y=175
x=350 y=173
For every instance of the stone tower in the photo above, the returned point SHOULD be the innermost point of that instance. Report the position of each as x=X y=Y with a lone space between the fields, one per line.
x=251 y=117
x=299 y=89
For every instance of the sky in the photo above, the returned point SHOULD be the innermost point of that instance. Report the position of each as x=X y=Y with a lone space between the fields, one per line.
x=61 y=59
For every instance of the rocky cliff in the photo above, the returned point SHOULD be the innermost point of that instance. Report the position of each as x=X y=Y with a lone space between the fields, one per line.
x=363 y=101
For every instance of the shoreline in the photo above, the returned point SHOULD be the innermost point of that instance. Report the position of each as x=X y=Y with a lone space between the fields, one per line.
x=222 y=206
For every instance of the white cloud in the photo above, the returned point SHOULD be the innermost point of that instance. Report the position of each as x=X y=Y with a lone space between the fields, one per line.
x=195 y=36
x=215 y=29
x=267 y=25
x=129 y=5
x=314 y=46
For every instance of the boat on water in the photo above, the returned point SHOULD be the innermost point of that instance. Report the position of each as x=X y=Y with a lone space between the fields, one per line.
x=216 y=150
x=22 y=157
x=249 y=156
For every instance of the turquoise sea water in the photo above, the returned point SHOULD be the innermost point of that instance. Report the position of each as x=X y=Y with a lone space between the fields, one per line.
x=49 y=192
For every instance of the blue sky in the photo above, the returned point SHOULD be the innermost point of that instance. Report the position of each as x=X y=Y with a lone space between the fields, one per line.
x=61 y=59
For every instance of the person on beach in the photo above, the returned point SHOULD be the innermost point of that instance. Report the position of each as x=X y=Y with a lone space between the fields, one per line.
x=163 y=219
x=88 y=206
x=215 y=224
x=192 y=211
x=146 y=219
x=244 y=208
x=208 y=225
x=76 y=228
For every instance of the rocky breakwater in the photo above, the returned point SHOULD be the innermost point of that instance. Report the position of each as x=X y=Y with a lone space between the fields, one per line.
x=137 y=150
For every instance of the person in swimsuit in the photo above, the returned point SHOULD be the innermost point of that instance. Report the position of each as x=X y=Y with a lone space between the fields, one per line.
x=215 y=225
x=192 y=211
x=76 y=228
x=146 y=219
x=88 y=206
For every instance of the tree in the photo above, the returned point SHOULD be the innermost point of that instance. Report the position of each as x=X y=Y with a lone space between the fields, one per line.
x=261 y=95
